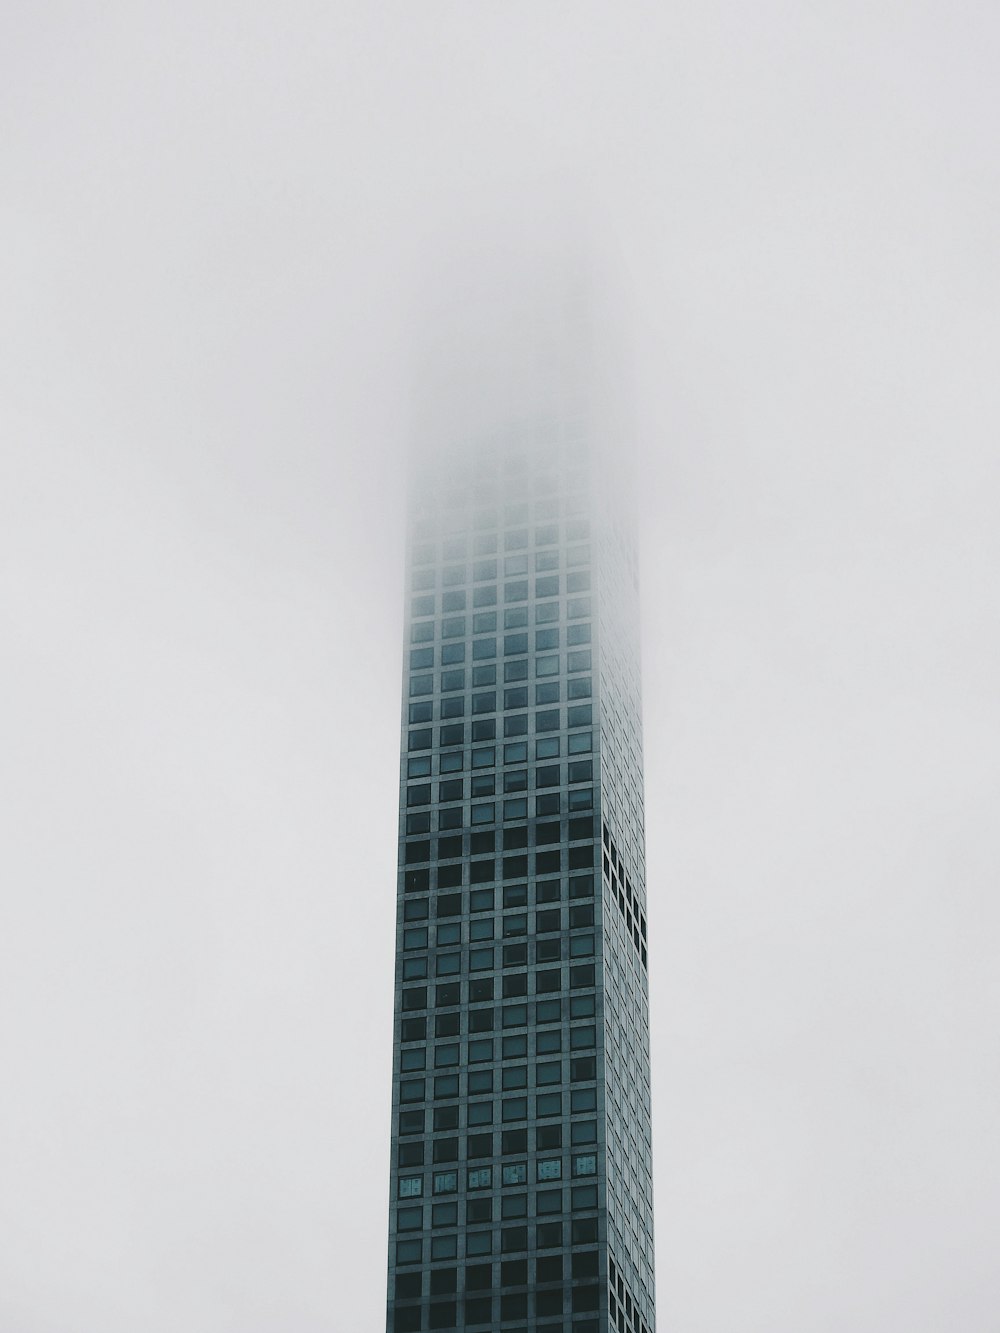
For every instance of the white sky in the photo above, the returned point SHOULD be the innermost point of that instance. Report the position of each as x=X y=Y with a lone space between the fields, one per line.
x=213 y=219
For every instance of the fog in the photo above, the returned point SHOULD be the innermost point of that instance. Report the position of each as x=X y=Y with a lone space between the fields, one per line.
x=218 y=227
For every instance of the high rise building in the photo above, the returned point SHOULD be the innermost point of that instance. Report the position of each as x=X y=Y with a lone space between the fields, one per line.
x=521 y=1181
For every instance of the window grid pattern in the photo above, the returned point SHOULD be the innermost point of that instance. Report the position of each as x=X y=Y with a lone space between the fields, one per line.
x=500 y=1141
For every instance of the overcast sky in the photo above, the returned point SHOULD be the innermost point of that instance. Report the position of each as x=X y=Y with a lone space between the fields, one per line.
x=214 y=218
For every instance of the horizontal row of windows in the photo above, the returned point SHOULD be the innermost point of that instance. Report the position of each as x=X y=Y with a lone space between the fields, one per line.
x=514 y=867
x=511 y=1016
x=487 y=595
x=450 y=654
x=484 y=959
x=485 y=622
x=514 y=539
x=484 y=1178
x=582 y=1198
x=453 y=734
x=480 y=1146
x=546 y=981
x=483 y=571
x=514 y=810
x=484 y=1050
x=418 y=880
x=546 y=1073
x=542 y=832
x=547 y=922
x=454 y=681
x=479 y=1143
x=547 y=747
x=486 y=701
x=483 y=900
x=512 y=1273
x=514 y=753
x=450 y=1024
x=512 y=1109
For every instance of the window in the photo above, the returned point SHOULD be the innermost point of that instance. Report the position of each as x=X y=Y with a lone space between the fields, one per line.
x=480 y=1178
x=515 y=1046
x=411 y=1187
x=410 y=1219
x=479 y=1145
x=445 y=1182
x=514 y=1108
x=513 y=1239
x=445 y=1117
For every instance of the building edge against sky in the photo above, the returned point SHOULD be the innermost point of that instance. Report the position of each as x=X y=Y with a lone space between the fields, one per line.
x=521 y=1176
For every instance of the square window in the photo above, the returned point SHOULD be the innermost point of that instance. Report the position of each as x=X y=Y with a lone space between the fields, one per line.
x=479 y=1145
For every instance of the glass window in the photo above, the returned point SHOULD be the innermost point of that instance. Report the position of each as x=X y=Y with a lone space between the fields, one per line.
x=409 y=1219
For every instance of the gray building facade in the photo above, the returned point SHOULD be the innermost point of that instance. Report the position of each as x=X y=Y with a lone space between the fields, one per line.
x=521 y=1177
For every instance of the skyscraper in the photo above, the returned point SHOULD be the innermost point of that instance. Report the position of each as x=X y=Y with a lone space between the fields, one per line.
x=521 y=1181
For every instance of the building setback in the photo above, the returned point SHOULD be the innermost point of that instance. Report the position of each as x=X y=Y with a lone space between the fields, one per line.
x=521 y=1181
